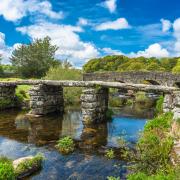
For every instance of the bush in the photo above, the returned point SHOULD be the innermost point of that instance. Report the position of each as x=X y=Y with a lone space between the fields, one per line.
x=66 y=145
x=5 y=103
x=71 y=95
x=154 y=146
x=110 y=154
x=159 y=105
x=6 y=169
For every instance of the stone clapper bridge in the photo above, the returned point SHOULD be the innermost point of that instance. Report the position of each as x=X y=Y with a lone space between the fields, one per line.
x=46 y=96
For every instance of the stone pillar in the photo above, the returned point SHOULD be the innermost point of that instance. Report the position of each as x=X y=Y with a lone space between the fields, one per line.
x=45 y=99
x=176 y=109
x=7 y=96
x=172 y=103
x=94 y=105
x=168 y=104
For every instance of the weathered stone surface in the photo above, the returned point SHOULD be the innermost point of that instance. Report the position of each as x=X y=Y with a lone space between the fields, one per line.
x=46 y=99
x=161 y=78
x=26 y=172
x=7 y=96
x=94 y=105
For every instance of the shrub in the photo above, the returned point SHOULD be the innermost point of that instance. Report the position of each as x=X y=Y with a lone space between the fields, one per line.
x=66 y=145
x=5 y=103
x=159 y=105
x=154 y=146
x=6 y=169
x=110 y=154
x=71 y=95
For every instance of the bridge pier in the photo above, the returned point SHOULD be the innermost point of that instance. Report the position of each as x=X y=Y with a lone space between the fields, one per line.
x=172 y=104
x=94 y=103
x=7 y=96
x=45 y=99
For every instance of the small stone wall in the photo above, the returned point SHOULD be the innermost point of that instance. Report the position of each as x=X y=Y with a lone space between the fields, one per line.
x=7 y=96
x=172 y=103
x=94 y=105
x=45 y=99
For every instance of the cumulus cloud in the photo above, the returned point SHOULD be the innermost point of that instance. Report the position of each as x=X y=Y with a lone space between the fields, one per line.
x=120 y=23
x=110 y=5
x=5 y=51
x=15 y=10
x=110 y=51
x=154 y=50
x=166 y=25
x=66 y=38
x=83 y=22
x=176 y=27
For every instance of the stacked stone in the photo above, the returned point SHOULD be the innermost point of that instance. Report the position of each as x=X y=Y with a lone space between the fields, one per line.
x=176 y=109
x=168 y=104
x=7 y=96
x=94 y=104
x=45 y=99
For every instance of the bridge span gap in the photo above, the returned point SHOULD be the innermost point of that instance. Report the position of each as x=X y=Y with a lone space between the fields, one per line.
x=46 y=96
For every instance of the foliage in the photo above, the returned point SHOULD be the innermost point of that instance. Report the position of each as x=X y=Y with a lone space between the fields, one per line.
x=176 y=69
x=159 y=176
x=113 y=178
x=141 y=97
x=5 y=103
x=66 y=145
x=6 y=169
x=22 y=93
x=122 y=63
x=1 y=68
x=159 y=105
x=24 y=166
x=109 y=114
x=110 y=154
x=35 y=59
x=71 y=95
x=154 y=146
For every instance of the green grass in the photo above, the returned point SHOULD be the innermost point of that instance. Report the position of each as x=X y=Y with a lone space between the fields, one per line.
x=65 y=145
x=6 y=169
x=113 y=178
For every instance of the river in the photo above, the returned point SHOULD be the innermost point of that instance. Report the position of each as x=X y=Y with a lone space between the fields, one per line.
x=21 y=135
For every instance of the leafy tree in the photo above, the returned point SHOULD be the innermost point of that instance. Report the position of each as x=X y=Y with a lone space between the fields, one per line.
x=35 y=59
x=176 y=69
x=1 y=69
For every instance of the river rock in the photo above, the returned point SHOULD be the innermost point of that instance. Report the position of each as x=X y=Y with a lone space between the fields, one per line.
x=27 y=172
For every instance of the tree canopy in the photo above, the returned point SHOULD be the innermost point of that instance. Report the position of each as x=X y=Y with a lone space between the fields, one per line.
x=122 y=63
x=35 y=59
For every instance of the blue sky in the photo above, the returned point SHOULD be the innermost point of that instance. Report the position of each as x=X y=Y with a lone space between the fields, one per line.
x=85 y=29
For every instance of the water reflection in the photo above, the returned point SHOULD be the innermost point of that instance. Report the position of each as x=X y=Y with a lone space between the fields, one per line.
x=22 y=135
x=44 y=130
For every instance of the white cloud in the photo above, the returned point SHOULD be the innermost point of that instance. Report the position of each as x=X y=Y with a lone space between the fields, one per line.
x=15 y=10
x=83 y=22
x=176 y=27
x=120 y=23
x=166 y=25
x=110 y=5
x=110 y=51
x=154 y=50
x=5 y=51
x=66 y=38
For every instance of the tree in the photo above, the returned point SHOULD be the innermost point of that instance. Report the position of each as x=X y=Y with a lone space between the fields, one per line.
x=1 y=68
x=176 y=68
x=35 y=59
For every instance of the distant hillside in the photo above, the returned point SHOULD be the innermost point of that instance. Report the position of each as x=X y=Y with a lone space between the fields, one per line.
x=122 y=63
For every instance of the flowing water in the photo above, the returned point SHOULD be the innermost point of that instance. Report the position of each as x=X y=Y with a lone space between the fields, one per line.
x=21 y=135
